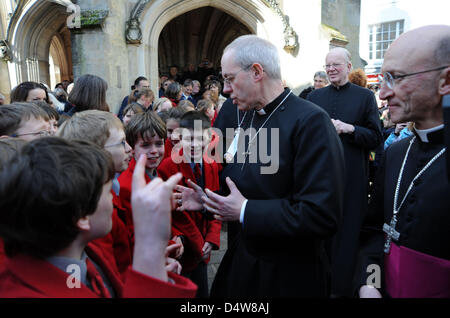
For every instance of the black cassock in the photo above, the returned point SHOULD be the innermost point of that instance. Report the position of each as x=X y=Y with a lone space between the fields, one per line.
x=423 y=222
x=279 y=248
x=357 y=106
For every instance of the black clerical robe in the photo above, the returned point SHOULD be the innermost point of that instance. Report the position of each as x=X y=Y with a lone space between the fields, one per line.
x=279 y=248
x=418 y=263
x=357 y=106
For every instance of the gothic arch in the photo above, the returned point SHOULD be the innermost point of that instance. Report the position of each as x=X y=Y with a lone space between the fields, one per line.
x=30 y=32
x=156 y=15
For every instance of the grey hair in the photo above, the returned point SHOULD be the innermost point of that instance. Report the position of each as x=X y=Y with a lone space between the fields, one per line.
x=322 y=75
x=346 y=52
x=250 y=49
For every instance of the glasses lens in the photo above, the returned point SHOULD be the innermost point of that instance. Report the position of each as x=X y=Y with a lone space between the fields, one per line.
x=389 y=80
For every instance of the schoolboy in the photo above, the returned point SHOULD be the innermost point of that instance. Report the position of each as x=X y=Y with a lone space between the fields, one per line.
x=202 y=234
x=63 y=188
x=146 y=134
x=106 y=131
x=23 y=120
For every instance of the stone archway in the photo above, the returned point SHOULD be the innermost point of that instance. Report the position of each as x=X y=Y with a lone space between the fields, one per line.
x=61 y=56
x=197 y=34
x=30 y=33
x=160 y=12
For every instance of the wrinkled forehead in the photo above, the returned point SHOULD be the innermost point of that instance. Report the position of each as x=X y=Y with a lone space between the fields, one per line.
x=336 y=56
x=408 y=54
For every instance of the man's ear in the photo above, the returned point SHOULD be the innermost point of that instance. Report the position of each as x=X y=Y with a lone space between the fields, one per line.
x=257 y=71
x=444 y=82
x=84 y=223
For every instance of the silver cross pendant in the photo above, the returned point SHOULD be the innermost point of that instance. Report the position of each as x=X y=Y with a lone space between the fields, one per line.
x=391 y=234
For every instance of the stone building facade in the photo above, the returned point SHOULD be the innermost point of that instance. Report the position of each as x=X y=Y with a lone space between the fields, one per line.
x=53 y=40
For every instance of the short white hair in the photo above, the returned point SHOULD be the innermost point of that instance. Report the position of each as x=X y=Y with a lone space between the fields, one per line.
x=250 y=49
x=346 y=53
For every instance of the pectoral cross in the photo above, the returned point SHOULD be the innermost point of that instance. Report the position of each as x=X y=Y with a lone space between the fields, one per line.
x=391 y=234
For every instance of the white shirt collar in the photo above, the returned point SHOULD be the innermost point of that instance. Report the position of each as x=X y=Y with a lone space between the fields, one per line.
x=423 y=133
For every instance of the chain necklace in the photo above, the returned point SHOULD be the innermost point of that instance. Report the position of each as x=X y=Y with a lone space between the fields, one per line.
x=390 y=229
x=252 y=139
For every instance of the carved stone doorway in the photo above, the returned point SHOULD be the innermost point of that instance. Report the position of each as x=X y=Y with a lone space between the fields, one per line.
x=195 y=35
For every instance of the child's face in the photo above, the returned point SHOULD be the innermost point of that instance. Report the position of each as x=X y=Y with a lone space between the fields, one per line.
x=33 y=128
x=194 y=143
x=145 y=101
x=210 y=112
x=101 y=220
x=127 y=117
x=53 y=126
x=152 y=147
x=119 y=149
x=171 y=126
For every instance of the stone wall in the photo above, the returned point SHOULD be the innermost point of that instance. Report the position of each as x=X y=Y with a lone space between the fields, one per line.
x=344 y=15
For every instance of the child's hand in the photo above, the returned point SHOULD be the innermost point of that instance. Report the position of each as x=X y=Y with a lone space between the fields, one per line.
x=173 y=266
x=175 y=250
x=207 y=248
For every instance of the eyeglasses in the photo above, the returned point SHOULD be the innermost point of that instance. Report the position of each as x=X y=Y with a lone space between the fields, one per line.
x=389 y=79
x=123 y=143
x=328 y=66
x=229 y=79
x=42 y=133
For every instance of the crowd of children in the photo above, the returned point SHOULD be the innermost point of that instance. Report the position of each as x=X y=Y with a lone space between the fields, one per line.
x=93 y=202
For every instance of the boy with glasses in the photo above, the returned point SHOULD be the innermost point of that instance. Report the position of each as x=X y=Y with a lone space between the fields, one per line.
x=24 y=120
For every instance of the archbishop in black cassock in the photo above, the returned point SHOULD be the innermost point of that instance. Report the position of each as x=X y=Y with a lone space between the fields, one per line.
x=279 y=248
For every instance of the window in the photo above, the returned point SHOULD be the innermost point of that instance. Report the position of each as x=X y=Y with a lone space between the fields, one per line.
x=381 y=36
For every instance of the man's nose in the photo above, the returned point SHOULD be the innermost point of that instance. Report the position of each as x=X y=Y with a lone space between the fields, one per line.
x=385 y=92
x=227 y=88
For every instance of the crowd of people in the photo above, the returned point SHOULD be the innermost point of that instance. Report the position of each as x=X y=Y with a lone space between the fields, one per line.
x=132 y=204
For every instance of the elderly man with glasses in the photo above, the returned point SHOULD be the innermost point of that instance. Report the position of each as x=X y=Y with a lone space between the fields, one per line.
x=353 y=111
x=279 y=211
x=406 y=241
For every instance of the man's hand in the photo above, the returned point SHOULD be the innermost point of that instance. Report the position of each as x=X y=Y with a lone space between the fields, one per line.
x=189 y=199
x=207 y=248
x=225 y=208
x=368 y=291
x=342 y=128
x=151 y=206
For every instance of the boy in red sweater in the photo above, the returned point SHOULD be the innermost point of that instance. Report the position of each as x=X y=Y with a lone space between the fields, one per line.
x=146 y=134
x=202 y=234
x=106 y=131
x=55 y=199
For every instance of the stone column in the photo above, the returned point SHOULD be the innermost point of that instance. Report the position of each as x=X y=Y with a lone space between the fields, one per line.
x=5 y=88
x=99 y=47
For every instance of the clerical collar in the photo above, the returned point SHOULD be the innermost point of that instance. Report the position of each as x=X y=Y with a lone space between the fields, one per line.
x=338 y=88
x=431 y=134
x=273 y=104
